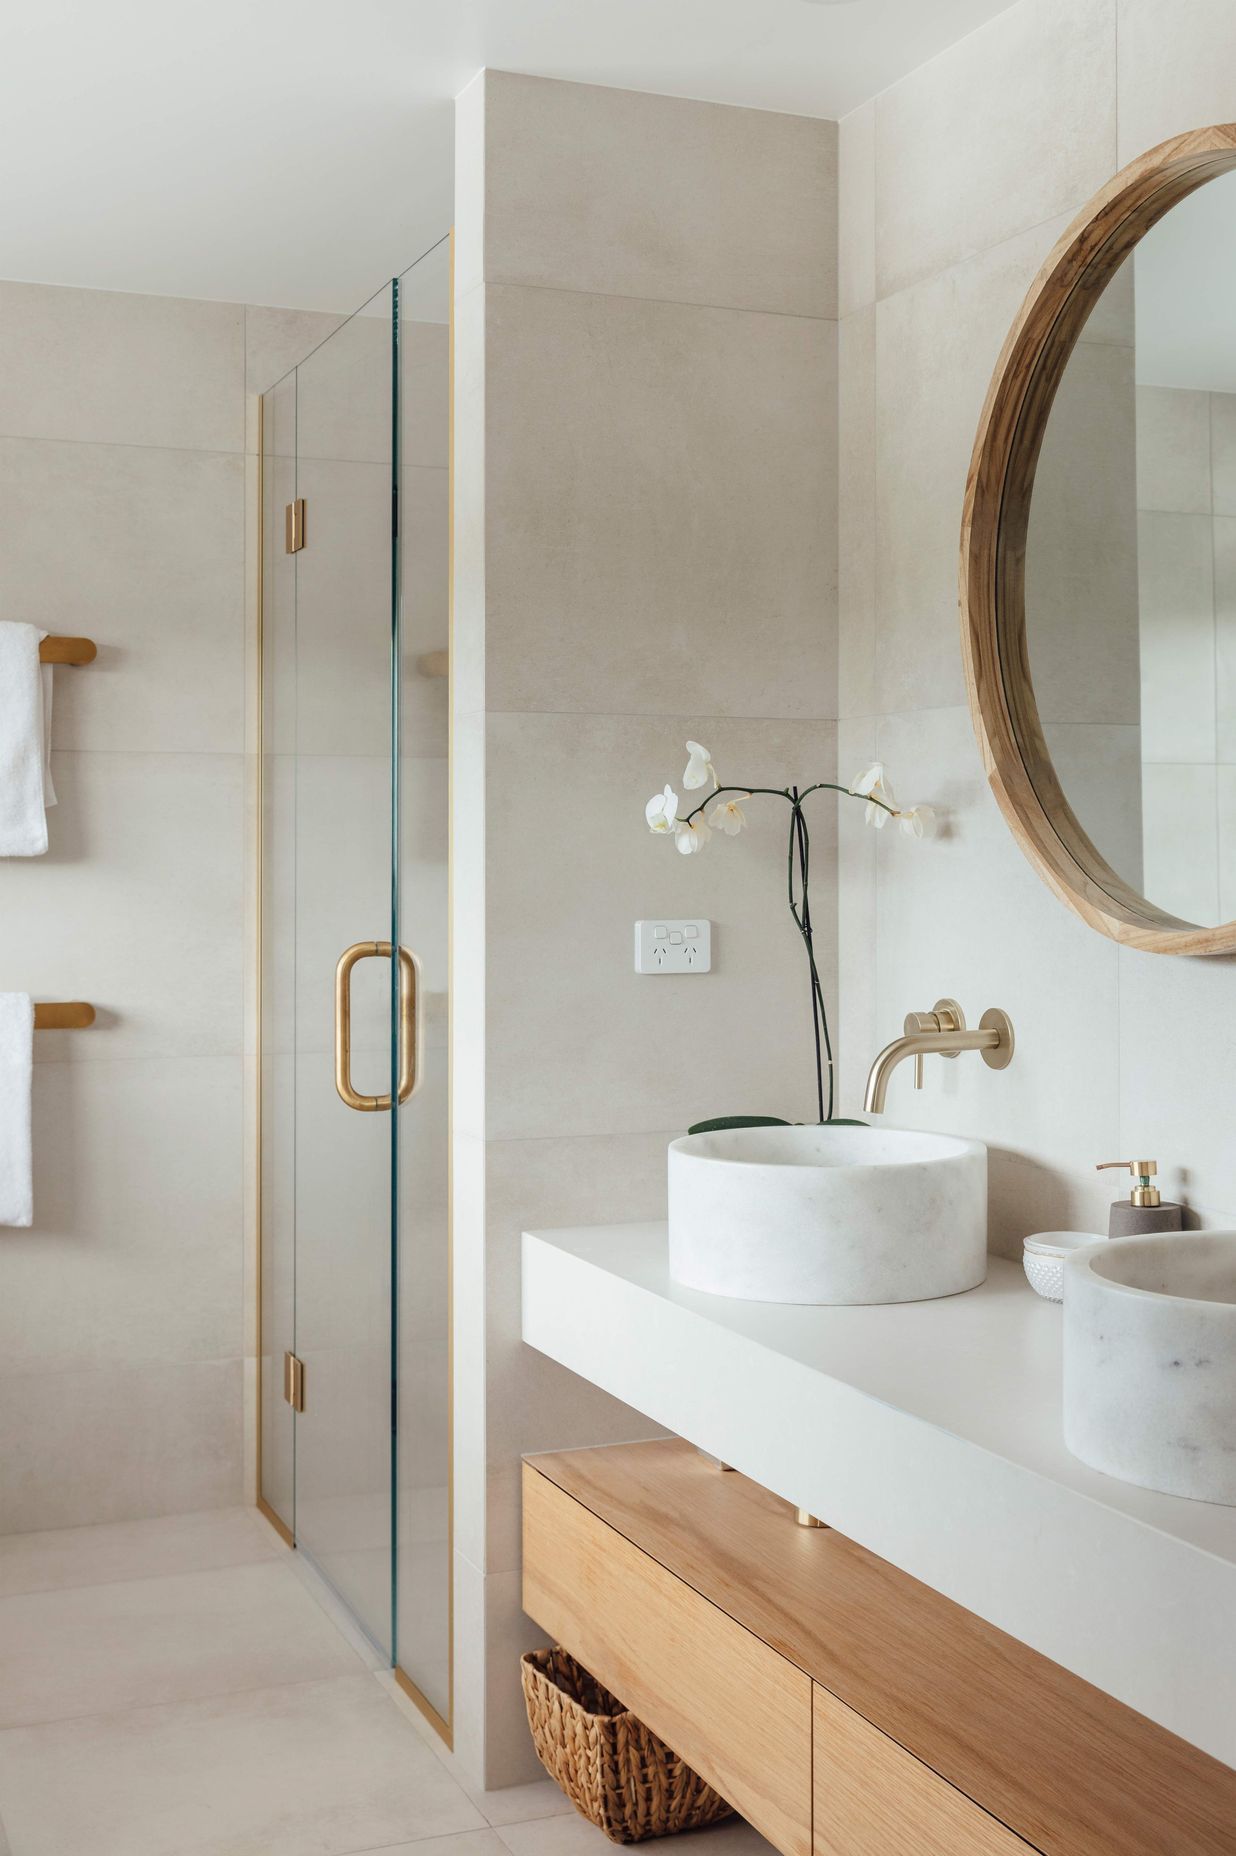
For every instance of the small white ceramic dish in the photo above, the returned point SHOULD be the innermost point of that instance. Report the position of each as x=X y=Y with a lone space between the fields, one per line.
x=1043 y=1259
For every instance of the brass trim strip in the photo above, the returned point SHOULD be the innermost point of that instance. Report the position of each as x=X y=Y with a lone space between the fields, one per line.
x=281 y=1527
x=438 y=1722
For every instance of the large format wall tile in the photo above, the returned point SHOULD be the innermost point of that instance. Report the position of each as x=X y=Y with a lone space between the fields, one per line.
x=532 y=1402
x=1173 y=450
x=129 y=1261
x=1178 y=1045
x=856 y=504
x=118 y=1443
x=577 y=1042
x=143 y=551
x=964 y=916
x=277 y=339
x=629 y=194
x=1081 y=547
x=856 y=233
x=117 y=369
x=136 y=906
x=936 y=346
x=1174 y=65
x=678 y=532
x=1175 y=559
x=1014 y=125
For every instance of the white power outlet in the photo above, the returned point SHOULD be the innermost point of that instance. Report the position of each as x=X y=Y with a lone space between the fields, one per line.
x=673 y=947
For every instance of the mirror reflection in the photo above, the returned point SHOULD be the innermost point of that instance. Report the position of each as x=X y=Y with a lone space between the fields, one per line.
x=1131 y=568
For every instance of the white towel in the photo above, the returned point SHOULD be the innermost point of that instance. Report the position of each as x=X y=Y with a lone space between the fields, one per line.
x=16 y=1080
x=26 y=788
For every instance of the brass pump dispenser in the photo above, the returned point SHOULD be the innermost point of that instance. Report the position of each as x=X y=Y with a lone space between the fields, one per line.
x=1143 y=1210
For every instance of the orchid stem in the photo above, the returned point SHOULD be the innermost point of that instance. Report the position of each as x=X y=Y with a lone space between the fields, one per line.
x=800 y=906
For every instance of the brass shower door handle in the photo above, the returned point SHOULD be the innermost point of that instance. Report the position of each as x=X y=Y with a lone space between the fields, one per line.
x=409 y=976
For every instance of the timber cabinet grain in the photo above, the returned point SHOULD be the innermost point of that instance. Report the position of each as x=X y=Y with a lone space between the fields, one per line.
x=842 y=1707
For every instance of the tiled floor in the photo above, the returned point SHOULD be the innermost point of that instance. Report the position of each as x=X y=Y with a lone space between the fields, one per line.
x=185 y=1687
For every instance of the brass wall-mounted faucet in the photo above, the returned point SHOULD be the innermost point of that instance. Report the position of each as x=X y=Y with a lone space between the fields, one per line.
x=941 y=1031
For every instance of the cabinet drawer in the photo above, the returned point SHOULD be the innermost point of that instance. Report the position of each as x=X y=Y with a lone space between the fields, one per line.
x=872 y=1798
x=727 y=1703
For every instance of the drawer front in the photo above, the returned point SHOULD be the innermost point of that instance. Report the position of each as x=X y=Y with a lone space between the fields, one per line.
x=730 y=1706
x=872 y=1798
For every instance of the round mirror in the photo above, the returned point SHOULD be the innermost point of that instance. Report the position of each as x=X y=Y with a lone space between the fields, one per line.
x=1099 y=558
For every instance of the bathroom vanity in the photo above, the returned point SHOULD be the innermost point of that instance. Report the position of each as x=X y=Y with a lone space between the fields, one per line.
x=844 y=1708
x=985 y=1628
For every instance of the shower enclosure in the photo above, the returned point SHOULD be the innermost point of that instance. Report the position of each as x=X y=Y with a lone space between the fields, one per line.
x=354 y=1270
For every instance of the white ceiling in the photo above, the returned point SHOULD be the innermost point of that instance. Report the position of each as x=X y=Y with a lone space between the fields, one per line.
x=298 y=151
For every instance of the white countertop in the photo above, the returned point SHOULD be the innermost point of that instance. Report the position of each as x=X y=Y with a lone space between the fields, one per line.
x=931 y=1433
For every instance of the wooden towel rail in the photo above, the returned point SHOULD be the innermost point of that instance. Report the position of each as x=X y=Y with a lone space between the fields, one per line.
x=63 y=1015
x=55 y=650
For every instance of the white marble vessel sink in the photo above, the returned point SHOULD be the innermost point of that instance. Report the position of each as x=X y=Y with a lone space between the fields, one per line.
x=827 y=1214
x=1150 y=1361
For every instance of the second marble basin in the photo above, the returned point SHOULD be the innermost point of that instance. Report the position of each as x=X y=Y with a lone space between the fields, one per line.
x=827 y=1214
x=1150 y=1361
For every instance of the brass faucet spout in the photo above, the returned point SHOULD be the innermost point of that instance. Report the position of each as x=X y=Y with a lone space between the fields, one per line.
x=994 y=1038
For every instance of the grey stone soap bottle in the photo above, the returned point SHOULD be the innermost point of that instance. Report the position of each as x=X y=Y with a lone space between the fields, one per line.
x=1143 y=1210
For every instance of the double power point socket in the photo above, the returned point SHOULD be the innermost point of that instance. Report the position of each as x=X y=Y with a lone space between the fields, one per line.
x=673 y=947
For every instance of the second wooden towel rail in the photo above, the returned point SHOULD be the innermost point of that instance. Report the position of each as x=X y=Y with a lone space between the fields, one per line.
x=55 y=650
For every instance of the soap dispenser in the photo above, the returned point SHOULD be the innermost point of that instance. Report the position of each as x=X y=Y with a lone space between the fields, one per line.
x=1143 y=1210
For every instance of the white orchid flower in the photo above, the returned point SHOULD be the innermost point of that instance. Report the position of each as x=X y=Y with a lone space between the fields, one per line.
x=662 y=812
x=873 y=786
x=918 y=822
x=699 y=768
x=728 y=816
x=691 y=835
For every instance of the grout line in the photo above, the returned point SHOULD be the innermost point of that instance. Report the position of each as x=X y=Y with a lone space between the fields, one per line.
x=179 y=1701
x=667 y=302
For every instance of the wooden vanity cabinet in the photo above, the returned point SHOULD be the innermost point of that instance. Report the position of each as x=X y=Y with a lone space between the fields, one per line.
x=842 y=1707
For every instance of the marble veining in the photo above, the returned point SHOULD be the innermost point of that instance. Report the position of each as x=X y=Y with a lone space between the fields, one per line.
x=1150 y=1362
x=837 y=1215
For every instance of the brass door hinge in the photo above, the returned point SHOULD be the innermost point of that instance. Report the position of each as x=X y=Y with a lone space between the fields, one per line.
x=294 y=526
x=294 y=1381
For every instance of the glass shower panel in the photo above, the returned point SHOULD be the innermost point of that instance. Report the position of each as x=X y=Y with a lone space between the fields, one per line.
x=344 y=809
x=277 y=940
x=424 y=1549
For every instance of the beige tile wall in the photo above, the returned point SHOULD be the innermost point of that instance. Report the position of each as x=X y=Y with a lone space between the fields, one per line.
x=646 y=543
x=126 y=472
x=979 y=157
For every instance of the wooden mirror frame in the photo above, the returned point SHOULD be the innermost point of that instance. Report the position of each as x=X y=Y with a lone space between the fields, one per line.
x=993 y=543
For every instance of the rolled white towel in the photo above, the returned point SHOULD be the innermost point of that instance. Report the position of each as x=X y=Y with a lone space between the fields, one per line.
x=26 y=789
x=16 y=1082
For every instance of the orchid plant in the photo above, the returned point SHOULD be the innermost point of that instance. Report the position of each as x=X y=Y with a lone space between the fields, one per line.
x=722 y=811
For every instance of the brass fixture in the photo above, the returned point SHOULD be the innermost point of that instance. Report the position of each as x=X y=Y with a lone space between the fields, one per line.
x=805 y=1518
x=1143 y=1172
x=294 y=1381
x=294 y=526
x=409 y=974
x=942 y=1033
x=57 y=650
x=63 y=1015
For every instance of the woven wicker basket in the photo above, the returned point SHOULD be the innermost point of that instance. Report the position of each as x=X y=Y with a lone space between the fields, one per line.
x=612 y=1768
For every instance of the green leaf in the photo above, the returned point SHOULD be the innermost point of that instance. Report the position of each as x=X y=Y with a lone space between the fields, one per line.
x=738 y=1121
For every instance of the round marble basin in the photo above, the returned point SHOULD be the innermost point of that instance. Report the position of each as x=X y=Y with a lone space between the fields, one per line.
x=1150 y=1361
x=827 y=1214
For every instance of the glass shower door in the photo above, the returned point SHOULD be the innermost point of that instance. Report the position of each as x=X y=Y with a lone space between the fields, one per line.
x=347 y=1016
x=353 y=1139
